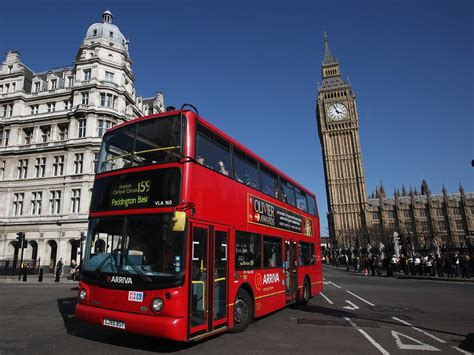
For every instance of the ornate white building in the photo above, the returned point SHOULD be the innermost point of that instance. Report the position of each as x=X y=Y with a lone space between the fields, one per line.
x=51 y=124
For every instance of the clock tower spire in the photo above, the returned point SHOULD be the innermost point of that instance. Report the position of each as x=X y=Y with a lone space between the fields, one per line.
x=338 y=127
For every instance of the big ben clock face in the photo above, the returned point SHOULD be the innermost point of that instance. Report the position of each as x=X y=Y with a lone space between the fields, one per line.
x=337 y=112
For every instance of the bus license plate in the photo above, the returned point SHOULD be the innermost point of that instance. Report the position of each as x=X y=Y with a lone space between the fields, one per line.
x=114 y=323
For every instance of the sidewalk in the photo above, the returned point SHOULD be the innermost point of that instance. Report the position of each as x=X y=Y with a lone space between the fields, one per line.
x=402 y=276
x=33 y=279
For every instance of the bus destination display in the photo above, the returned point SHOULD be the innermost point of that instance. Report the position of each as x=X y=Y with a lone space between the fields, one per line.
x=270 y=215
x=156 y=188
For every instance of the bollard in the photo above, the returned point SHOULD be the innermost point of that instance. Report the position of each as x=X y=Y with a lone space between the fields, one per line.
x=40 y=275
x=25 y=274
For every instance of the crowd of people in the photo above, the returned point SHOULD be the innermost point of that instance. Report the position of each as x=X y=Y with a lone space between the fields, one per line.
x=449 y=265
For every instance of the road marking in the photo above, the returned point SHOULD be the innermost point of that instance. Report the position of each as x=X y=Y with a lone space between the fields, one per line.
x=324 y=279
x=327 y=299
x=353 y=294
x=334 y=284
x=368 y=337
x=352 y=306
x=462 y=351
x=418 y=346
x=419 y=330
x=325 y=282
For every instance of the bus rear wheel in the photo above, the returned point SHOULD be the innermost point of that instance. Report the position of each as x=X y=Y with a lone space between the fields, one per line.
x=243 y=311
x=306 y=292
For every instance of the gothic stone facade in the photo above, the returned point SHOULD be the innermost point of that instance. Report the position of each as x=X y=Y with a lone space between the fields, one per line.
x=51 y=124
x=444 y=220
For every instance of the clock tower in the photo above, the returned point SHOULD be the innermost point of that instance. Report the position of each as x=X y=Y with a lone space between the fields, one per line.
x=338 y=127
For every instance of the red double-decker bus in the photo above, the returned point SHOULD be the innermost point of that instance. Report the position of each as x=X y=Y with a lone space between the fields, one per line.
x=191 y=234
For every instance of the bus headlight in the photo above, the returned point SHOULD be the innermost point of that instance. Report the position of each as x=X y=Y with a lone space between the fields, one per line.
x=157 y=304
x=82 y=294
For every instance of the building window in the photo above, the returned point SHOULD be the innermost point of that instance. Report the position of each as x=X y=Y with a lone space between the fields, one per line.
x=40 y=167
x=87 y=74
x=75 y=200
x=63 y=130
x=51 y=106
x=82 y=129
x=424 y=226
x=111 y=34
x=45 y=133
x=37 y=86
x=28 y=135
x=3 y=164
x=4 y=137
x=109 y=76
x=456 y=211
x=54 y=84
x=67 y=104
x=443 y=226
x=58 y=165
x=18 y=199
x=103 y=125
x=70 y=81
x=459 y=225
x=22 y=170
x=78 y=163
x=391 y=214
x=36 y=200
x=1 y=88
x=34 y=109
x=96 y=159
x=54 y=201
x=6 y=110
x=107 y=100
x=85 y=98
x=375 y=216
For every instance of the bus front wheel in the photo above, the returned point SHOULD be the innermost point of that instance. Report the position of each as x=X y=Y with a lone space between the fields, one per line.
x=243 y=311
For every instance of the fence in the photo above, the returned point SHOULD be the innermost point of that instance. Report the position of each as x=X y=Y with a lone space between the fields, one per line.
x=12 y=266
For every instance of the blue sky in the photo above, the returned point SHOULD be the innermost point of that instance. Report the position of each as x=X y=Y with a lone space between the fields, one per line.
x=252 y=69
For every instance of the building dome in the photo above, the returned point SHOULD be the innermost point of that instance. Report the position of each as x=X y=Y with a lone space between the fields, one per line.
x=107 y=31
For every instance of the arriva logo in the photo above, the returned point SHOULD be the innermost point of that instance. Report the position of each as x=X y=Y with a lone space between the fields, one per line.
x=271 y=278
x=121 y=280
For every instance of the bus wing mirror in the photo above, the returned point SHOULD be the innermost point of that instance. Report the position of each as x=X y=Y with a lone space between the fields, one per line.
x=179 y=221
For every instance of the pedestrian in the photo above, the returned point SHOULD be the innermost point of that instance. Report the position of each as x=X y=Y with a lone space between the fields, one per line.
x=346 y=258
x=456 y=265
x=72 y=268
x=418 y=264
x=448 y=262
x=403 y=264
x=429 y=264
x=439 y=266
x=59 y=268
x=465 y=269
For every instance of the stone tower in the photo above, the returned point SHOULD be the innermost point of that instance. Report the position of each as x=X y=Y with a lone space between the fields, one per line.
x=338 y=127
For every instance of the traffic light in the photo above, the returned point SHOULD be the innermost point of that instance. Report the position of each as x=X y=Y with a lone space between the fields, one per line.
x=21 y=240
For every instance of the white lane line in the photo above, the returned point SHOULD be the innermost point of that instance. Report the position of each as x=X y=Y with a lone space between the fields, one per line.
x=324 y=279
x=327 y=299
x=368 y=337
x=353 y=294
x=332 y=283
x=419 y=330
x=462 y=351
x=351 y=306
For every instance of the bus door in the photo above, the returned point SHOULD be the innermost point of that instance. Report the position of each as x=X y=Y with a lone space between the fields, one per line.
x=291 y=271
x=209 y=278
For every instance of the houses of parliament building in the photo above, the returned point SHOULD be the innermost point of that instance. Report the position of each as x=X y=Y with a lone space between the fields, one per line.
x=442 y=221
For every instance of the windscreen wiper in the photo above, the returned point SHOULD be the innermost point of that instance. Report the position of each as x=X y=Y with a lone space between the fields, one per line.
x=138 y=271
x=97 y=269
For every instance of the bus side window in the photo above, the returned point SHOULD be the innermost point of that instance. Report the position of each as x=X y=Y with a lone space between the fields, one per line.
x=213 y=151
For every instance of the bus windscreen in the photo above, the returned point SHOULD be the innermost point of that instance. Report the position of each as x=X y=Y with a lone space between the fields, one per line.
x=146 y=142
